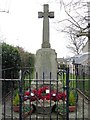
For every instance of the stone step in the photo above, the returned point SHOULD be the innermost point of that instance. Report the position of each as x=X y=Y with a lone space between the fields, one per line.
x=53 y=116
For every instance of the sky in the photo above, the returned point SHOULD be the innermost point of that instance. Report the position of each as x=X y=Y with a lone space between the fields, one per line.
x=22 y=27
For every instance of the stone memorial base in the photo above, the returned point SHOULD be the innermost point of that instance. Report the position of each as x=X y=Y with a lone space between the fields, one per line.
x=53 y=84
x=46 y=64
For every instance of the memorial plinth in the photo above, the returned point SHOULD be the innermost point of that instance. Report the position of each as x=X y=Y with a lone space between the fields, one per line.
x=46 y=63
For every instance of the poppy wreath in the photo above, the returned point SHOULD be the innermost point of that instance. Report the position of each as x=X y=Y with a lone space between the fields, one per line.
x=44 y=93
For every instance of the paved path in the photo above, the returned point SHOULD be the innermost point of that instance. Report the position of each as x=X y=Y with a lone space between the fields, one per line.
x=54 y=116
x=80 y=109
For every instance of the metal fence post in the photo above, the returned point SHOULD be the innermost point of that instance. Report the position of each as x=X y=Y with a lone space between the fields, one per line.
x=67 y=93
x=77 y=74
x=20 y=95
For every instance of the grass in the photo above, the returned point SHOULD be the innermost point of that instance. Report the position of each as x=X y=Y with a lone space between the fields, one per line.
x=82 y=83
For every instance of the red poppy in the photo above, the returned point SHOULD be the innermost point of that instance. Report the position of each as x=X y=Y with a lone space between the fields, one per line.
x=44 y=93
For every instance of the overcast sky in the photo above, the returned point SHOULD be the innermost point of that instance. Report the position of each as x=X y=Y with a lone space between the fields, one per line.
x=22 y=27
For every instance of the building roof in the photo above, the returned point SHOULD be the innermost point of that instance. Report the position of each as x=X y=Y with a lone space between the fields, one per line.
x=80 y=59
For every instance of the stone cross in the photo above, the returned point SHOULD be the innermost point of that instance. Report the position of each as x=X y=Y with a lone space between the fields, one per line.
x=46 y=15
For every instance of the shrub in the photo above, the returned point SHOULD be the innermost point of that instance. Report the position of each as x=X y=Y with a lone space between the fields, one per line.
x=16 y=100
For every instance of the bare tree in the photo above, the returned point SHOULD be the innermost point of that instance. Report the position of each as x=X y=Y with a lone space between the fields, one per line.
x=76 y=44
x=75 y=23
